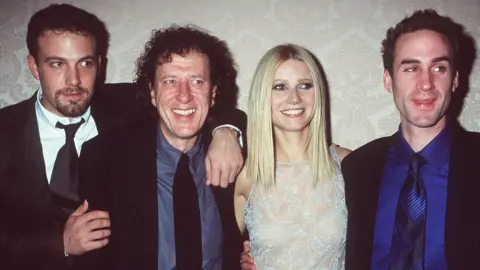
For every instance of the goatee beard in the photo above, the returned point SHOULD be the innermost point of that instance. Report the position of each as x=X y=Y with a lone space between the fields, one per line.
x=75 y=108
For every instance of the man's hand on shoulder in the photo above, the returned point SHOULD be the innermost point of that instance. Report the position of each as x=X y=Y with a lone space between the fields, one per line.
x=86 y=231
x=224 y=158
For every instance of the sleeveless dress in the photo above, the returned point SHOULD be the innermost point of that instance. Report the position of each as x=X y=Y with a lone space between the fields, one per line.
x=294 y=225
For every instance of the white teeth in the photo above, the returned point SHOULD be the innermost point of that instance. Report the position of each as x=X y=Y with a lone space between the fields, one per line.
x=183 y=112
x=292 y=112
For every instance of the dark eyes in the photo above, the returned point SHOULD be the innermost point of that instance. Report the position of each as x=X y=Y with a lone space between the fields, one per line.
x=282 y=86
x=305 y=86
x=197 y=82
x=56 y=64
x=438 y=69
x=86 y=63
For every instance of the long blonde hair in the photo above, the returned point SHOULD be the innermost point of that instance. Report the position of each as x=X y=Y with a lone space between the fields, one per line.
x=260 y=164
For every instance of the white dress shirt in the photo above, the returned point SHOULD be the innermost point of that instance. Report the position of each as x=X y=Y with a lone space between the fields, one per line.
x=52 y=138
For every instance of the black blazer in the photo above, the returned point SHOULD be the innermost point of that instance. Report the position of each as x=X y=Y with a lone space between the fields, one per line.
x=31 y=226
x=119 y=174
x=362 y=171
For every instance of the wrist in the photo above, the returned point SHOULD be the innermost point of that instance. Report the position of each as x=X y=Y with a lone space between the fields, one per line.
x=231 y=130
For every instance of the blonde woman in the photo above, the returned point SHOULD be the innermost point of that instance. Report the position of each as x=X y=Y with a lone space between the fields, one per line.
x=290 y=195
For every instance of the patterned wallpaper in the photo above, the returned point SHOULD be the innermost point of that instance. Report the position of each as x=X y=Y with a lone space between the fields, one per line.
x=344 y=34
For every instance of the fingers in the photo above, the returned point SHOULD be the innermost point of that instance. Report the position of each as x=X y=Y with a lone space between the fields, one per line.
x=248 y=266
x=96 y=244
x=246 y=260
x=208 y=170
x=82 y=209
x=228 y=179
x=224 y=158
x=234 y=172
x=97 y=214
x=215 y=174
x=225 y=173
x=86 y=232
x=98 y=235
x=246 y=246
x=96 y=224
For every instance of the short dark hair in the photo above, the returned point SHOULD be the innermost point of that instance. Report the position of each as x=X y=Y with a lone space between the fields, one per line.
x=182 y=40
x=66 y=18
x=427 y=19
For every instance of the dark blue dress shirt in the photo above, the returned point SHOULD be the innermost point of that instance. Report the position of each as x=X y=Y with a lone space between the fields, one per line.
x=435 y=176
x=212 y=236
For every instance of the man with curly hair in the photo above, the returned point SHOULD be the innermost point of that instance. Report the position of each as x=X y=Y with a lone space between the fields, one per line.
x=163 y=215
x=45 y=223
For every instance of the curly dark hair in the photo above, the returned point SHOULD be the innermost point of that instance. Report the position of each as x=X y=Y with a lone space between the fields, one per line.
x=427 y=19
x=66 y=18
x=182 y=40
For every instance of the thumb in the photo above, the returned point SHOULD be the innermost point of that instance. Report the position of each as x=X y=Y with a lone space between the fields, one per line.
x=82 y=209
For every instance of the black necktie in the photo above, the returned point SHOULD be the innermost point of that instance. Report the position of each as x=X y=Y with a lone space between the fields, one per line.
x=408 y=241
x=188 y=235
x=64 y=180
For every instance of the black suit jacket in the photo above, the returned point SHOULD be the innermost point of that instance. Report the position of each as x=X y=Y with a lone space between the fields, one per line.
x=362 y=171
x=31 y=226
x=119 y=174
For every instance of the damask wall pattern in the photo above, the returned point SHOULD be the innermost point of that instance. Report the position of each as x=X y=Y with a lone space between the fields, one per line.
x=345 y=35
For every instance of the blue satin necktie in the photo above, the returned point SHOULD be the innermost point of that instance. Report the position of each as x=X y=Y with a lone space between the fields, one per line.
x=408 y=241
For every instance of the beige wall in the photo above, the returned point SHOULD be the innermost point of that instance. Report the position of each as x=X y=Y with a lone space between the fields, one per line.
x=344 y=34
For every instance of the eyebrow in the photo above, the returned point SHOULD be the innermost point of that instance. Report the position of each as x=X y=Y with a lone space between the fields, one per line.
x=57 y=58
x=299 y=80
x=198 y=77
x=175 y=76
x=167 y=76
x=435 y=60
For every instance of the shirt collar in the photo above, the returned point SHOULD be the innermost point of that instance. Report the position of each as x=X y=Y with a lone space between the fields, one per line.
x=51 y=119
x=436 y=152
x=171 y=154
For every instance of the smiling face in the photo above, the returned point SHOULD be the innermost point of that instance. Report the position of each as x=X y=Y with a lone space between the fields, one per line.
x=293 y=97
x=423 y=78
x=183 y=94
x=67 y=67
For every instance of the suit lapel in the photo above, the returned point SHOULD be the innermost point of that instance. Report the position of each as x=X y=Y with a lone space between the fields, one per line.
x=31 y=148
x=461 y=225
x=370 y=200
x=363 y=179
x=104 y=117
x=114 y=105
x=232 y=242
x=31 y=156
x=141 y=168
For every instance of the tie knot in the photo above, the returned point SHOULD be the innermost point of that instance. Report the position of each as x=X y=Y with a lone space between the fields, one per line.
x=70 y=129
x=416 y=161
x=184 y=161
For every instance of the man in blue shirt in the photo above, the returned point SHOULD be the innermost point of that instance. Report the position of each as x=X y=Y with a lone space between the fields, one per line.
x=412 y=197
x=151 y=176
x=39 y=228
